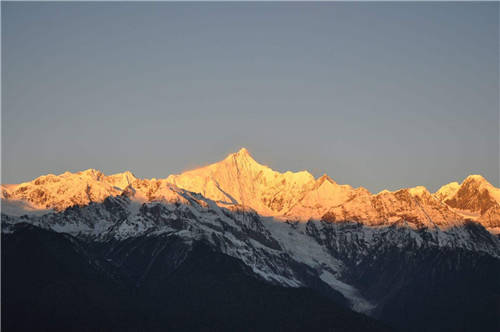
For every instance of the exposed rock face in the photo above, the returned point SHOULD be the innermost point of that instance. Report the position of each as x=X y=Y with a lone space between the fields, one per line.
x=324 y=194
x=398 y=256
x=474 y=194
x=475 y=199
x=384 y=271
x=415 y=207
x=239 y=181
x=298 y=196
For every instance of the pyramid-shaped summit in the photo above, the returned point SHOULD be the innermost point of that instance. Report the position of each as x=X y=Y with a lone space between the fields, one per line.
x=239 y=179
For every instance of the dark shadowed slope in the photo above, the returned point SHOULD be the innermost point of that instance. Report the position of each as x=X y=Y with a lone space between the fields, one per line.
x=55 y=282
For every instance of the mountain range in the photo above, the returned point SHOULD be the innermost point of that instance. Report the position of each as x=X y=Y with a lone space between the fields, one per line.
x=326 y=256
x=239 y=180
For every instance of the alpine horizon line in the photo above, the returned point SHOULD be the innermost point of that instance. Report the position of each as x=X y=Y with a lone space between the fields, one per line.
x=242 y=150
x=240 y=180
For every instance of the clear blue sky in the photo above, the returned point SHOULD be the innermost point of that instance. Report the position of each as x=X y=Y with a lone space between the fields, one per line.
x=384 y=95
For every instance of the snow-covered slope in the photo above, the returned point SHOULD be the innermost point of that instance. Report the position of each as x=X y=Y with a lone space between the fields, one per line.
x=240 y=180
x=289 y=253
x=476 y=199
x=289 y=228
x=298 y=196
x=325 y=193
x=447 y=191
x=274 y=250
x=59 y=192
x=414 y=207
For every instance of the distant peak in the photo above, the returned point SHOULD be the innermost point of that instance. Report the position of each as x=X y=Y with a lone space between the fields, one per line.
x=90 y=171
x=125 y=174
x=475 y=178
x=93 y=173
x=384 y=191
x=418 y=191
x=324 y=178
x=242 y=153
x=453 y=184
x=448 y=189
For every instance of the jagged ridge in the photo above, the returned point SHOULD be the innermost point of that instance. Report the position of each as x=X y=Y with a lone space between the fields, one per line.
x=239 y=180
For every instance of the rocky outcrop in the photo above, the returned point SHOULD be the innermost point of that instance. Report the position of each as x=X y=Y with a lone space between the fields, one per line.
x=476 y=199
x=240 y=182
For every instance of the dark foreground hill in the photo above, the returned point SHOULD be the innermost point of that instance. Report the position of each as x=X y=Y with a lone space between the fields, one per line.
x=55 y=282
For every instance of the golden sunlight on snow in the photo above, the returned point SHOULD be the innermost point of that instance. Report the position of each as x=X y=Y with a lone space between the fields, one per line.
x=239 y=182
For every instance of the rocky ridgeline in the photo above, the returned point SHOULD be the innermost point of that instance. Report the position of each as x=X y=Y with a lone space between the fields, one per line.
x=239 y=180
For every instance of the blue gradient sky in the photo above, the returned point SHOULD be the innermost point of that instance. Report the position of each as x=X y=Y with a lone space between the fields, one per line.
x=384 y=95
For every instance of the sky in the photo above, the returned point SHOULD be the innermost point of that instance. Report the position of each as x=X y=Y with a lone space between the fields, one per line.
x=380 y=95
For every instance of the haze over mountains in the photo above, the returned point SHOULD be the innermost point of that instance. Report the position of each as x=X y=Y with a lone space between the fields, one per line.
x=239 y=180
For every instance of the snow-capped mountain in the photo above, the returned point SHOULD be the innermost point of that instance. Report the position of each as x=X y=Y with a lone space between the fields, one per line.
x=362 y=250
x=240 y=180
x=474 y=199
x=59 y=192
